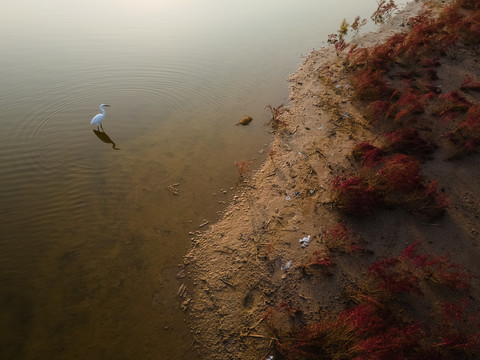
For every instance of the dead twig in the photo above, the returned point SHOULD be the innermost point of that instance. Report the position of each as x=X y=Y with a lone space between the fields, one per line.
x=204 y=223
x=258 y=336
x=227 y=283
x=173 y=188
x=258 y=323
x=181 y=290
x=223 y=251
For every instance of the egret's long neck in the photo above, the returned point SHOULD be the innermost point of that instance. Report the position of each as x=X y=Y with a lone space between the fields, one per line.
x=103 y=110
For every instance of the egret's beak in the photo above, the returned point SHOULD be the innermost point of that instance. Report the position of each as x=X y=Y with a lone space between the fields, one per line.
x=106 y=105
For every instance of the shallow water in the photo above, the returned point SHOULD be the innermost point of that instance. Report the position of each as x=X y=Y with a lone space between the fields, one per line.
x=91 y=239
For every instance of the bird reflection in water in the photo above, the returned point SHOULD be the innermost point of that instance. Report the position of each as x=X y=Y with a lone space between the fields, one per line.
x=102 y=135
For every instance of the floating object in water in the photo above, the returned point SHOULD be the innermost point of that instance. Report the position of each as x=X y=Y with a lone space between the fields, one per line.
x=245 y=120
x=97 y=119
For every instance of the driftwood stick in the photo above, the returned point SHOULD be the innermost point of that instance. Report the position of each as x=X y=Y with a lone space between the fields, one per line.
x=205 y=222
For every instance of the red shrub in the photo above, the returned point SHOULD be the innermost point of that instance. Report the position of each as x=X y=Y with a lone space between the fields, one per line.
x=341 y=239
x=470 y=84
x=405 y=272
x=355 y=195
x=465 y=138
x=321 y=258
x=377 y=110
x=408 y=141
x=427 y=202
x=449 y=274
x=393 y=277
x=473 y=119
x=418 y=42
x=371 y=85
x=438 y=269
x=458 y=330
x=400 y=173
x=395 y=343
x=381 y=56
x=409 y=103
x=368 y=154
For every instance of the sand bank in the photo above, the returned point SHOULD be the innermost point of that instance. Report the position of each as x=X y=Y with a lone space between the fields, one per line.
x=252 y=259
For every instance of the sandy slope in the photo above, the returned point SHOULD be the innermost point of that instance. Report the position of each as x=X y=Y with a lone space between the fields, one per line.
x=234 y=269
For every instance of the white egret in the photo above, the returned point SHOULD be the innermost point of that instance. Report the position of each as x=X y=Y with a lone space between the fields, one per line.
x=97 y=119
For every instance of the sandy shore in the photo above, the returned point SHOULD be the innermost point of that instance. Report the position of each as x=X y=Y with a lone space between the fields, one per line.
x=252 y=259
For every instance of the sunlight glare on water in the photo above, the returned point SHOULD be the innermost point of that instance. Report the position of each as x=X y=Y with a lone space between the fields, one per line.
x=91 y=239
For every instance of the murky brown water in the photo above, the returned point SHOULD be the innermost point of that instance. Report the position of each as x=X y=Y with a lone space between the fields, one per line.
x=90 y=238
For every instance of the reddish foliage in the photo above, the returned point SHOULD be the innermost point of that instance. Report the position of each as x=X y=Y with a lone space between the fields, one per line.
x=418 y=42
x=342 y=239
x=369 y=317
x=384 y=10
x=394 y=278
x=243 y=167
x=405 y=273
x=355 y=195
x=400 y=173
x=440 y=198
x=321 y=258
x=408 y=141
x=377 y=110
x=395 y=343
x=449 y=274
x=470 y=84
x=381 y=56
x=454 y=312
x=473 y=119
x=458 y=330
x=455 y=102
x=368 y=154
x=427 y=202
x=371 y=329
x=410 y=102
x=340 y=46
x=436 y=268
x=371 y=85
x=465 y=138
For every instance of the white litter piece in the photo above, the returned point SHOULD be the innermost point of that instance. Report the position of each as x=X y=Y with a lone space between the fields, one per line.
x=288 y=198
x=305 y=241
x=287 y=266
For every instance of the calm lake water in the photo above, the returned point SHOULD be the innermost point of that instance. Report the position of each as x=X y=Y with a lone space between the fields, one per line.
x=90 y=237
